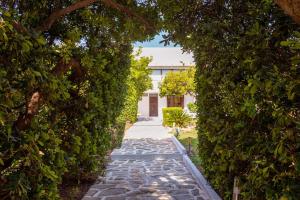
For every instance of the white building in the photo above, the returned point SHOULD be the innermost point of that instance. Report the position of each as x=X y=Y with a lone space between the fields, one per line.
x=163 y=61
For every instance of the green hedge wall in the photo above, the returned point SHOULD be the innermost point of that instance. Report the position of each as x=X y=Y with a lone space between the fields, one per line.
x=247 y=58
x=62 y=88
x=137 y=83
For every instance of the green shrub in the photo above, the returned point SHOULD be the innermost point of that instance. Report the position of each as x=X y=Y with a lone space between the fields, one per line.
x=130 y=108
x=137 y=83
x=166 y=115
x=61 y=91
x=192 y=107
x=247 y=58
x=175 y=115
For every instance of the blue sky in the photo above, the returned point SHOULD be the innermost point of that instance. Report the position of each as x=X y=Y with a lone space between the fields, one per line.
x=153 y=43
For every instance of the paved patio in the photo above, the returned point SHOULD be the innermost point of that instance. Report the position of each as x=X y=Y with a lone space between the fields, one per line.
x=148 y=166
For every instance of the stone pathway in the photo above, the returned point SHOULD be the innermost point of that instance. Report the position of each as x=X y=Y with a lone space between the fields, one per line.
x=148 y=166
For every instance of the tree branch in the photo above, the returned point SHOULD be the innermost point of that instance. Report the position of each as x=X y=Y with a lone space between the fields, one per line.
x=129 y=12
x=19 y=28
x=291 y=8
x=47 y=24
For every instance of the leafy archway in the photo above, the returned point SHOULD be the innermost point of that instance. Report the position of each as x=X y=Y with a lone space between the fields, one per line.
x=63 y=69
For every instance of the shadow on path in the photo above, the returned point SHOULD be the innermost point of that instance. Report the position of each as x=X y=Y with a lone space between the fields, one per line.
x=148 y=166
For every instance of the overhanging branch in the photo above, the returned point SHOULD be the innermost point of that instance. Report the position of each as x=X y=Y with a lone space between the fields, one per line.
x=53 y=17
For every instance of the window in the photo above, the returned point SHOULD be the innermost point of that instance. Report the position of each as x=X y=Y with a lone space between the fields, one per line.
x=156 y=72
x=156 y=75
x=175 y=101
x=165 y=71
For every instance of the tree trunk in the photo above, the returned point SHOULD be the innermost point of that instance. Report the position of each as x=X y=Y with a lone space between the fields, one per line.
x=33 y=104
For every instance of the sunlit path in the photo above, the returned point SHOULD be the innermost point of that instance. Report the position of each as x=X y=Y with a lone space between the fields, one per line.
x=148 y=165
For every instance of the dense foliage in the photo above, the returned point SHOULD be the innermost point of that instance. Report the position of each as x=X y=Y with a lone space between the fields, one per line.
x=175 y=116
x=247 y=58
x=63 y=74
x=63 y=79
x=138 y=82
x=178 y=83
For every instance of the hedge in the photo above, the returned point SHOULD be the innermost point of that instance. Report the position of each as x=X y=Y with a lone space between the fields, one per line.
x=247 y=58
x=137 y=83
x=62 y=88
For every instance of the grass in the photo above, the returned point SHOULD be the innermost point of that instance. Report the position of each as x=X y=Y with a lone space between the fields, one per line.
x=189 y=139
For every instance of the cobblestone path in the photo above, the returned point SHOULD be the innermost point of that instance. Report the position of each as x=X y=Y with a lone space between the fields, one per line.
x=146 y=168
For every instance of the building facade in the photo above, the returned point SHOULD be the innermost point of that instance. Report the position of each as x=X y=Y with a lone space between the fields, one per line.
x=163 y=61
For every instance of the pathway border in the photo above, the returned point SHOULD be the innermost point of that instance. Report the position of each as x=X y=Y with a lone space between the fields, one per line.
x=202 y=182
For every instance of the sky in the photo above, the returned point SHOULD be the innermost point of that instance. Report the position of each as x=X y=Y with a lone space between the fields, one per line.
x=154 y=42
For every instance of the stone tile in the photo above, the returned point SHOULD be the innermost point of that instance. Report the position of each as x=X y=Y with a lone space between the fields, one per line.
x=156 y=178
x=91 y=192
x=90 y=198
x=113 y=191
x=183 y=197
x=114 y=198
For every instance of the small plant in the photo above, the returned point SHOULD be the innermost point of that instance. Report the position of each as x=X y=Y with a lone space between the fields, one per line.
x=181 y=119
x=175 y=115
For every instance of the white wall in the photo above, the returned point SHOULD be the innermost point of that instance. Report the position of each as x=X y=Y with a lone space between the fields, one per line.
x=188 y=99
x=156 y=79
x=162 y=103
x=143 y=106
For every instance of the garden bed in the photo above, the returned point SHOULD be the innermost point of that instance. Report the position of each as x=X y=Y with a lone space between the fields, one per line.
x=189 y=139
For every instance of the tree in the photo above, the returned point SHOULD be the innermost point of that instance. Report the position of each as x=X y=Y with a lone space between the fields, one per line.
x=140 y=73
x=63 y=73
x=44 y=24
x=178 y=83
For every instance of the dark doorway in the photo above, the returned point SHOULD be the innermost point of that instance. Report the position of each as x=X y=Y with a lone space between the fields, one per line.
x=153 y=101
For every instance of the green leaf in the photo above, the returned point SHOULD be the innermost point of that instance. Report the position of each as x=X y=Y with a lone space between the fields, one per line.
x=41 y=40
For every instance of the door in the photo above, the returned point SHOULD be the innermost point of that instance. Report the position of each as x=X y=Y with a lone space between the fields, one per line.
x=153 y=101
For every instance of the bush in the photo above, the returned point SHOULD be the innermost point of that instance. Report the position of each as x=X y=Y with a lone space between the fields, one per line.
x=175 y=115
x=192 y=107
x=137 y=83
x=130 y=108
x=59 y=102
x=247 y=58
x=166 y=115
